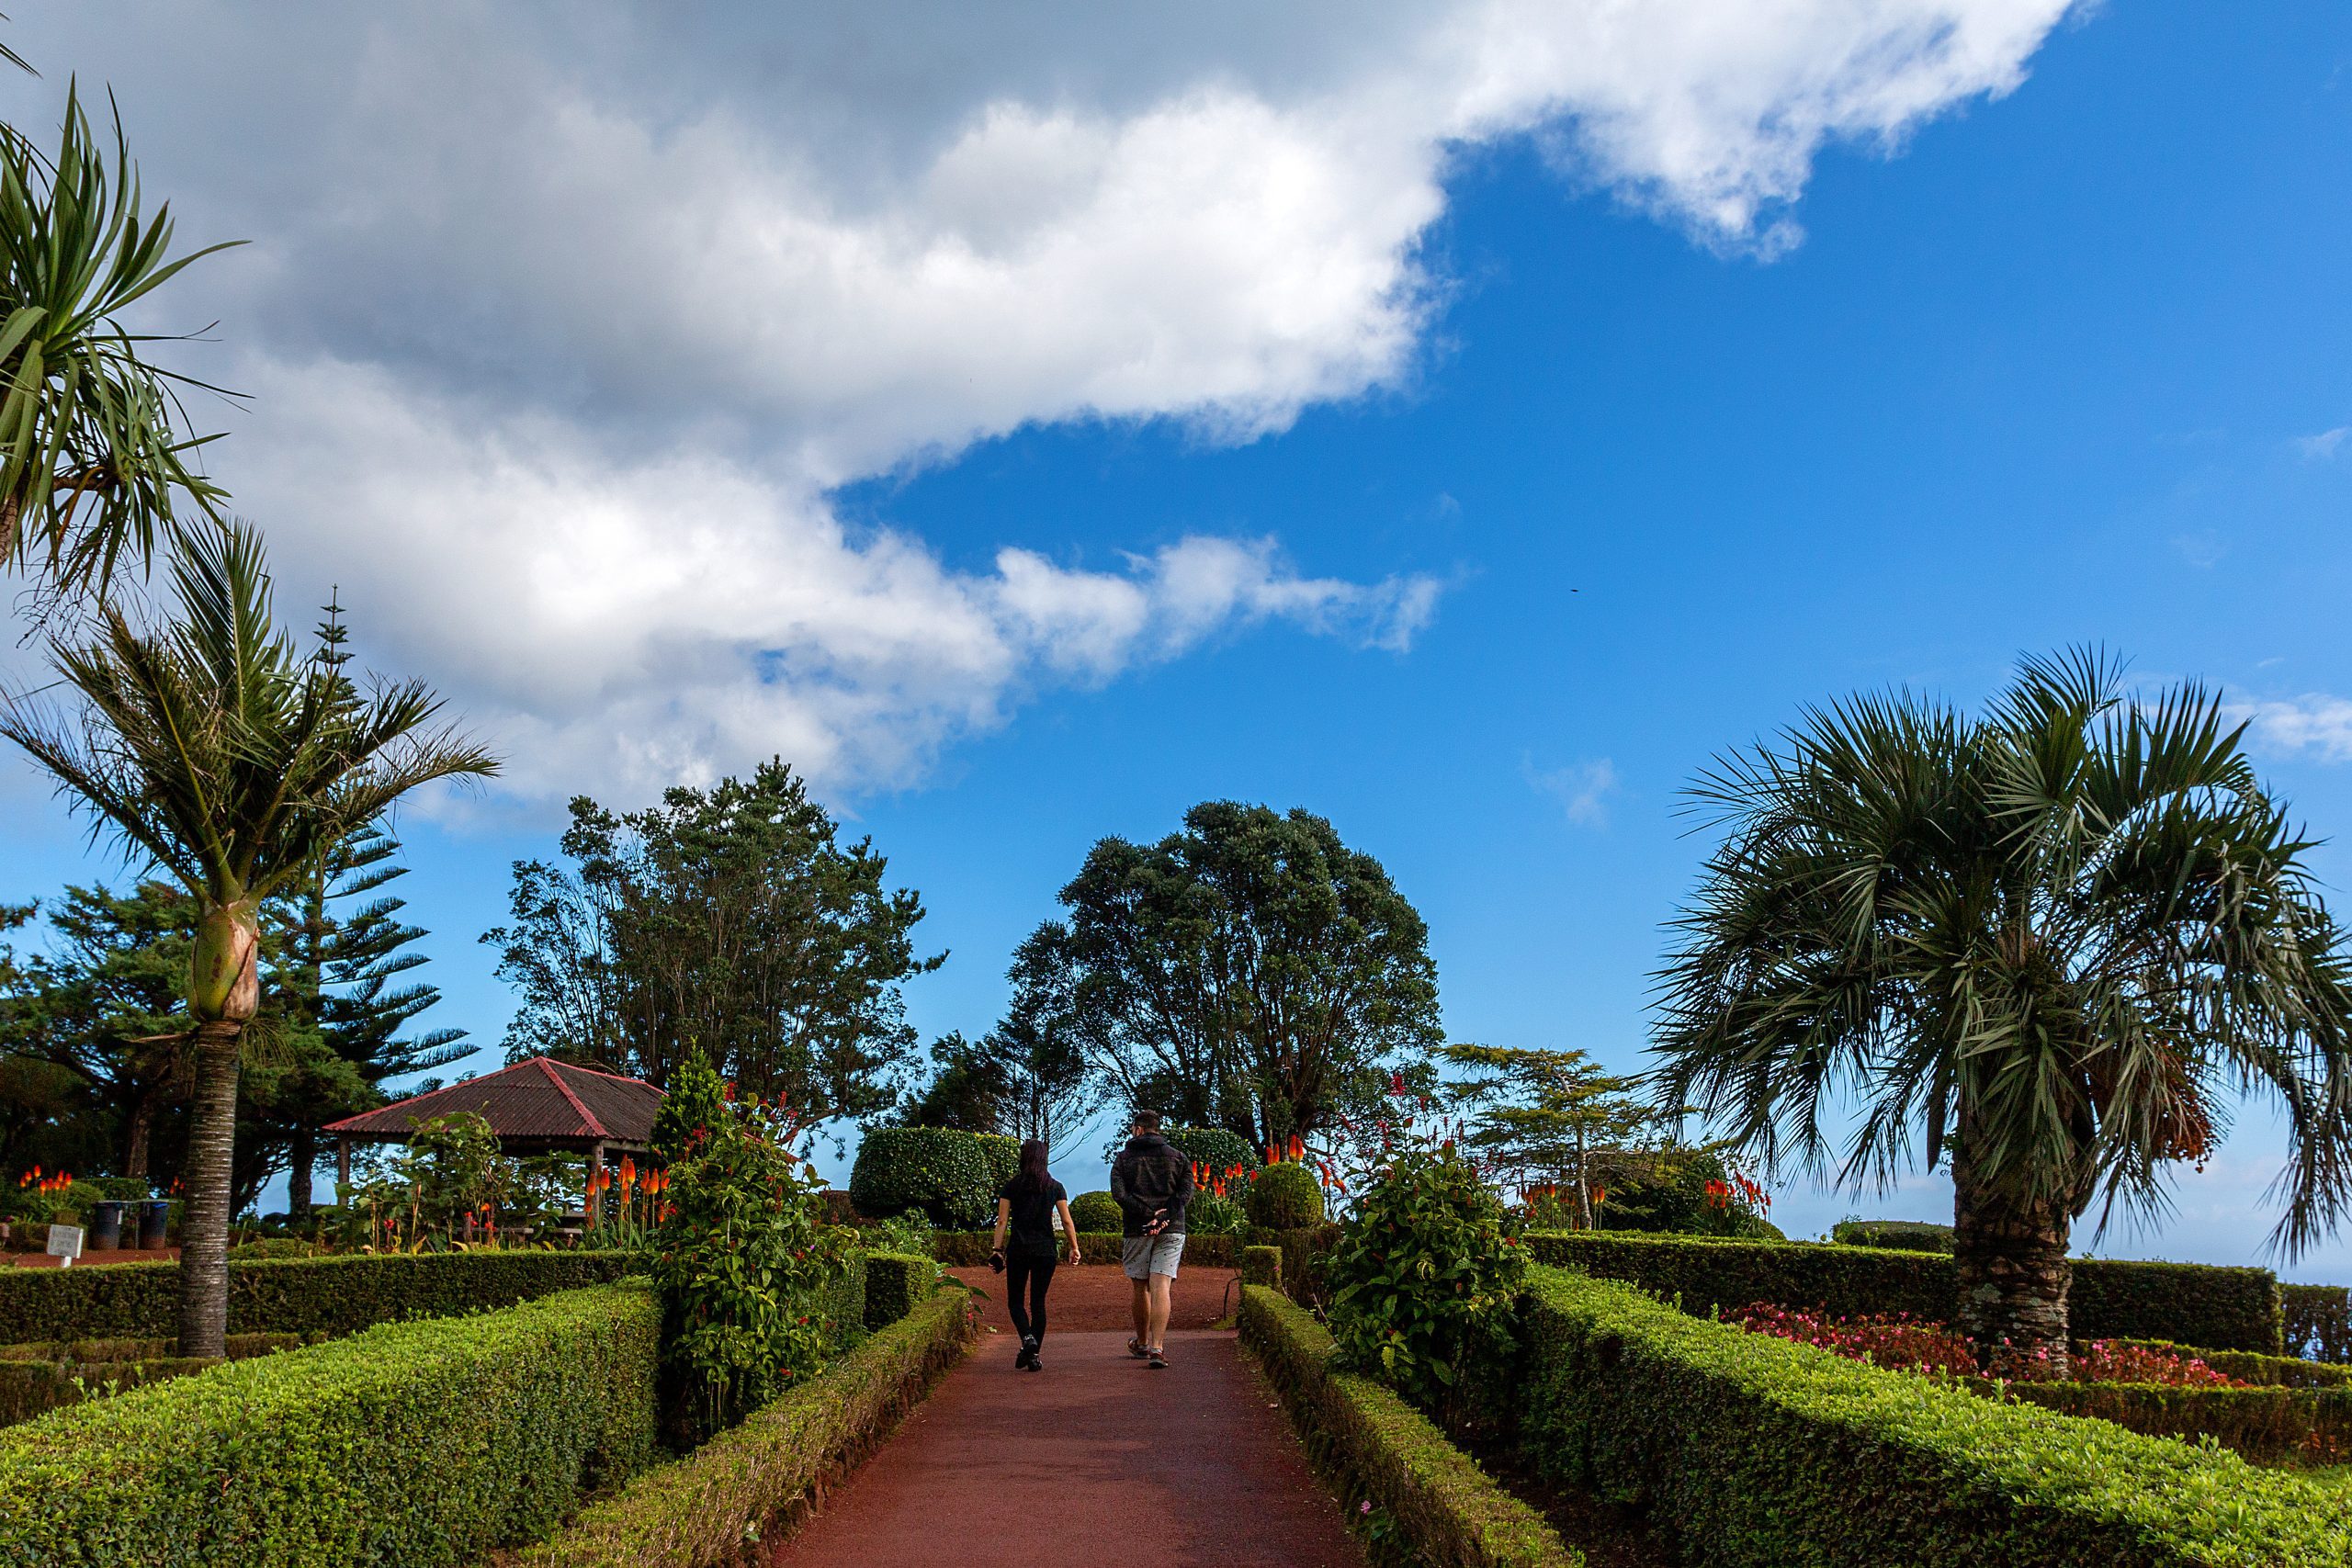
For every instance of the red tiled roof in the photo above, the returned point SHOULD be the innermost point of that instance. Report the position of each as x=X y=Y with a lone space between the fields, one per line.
x=541 y=1098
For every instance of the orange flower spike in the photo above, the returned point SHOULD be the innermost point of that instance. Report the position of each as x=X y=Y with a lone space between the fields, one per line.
x=628 y=1172
x=1297 y=1147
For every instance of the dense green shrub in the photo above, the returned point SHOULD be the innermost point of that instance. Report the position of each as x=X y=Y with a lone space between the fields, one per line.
x=1097 y=1214
x=273 y=1246
x=2318 y=1321
x=1423 y=1285
x=1751 y=1451
x=1444 y=1511
x=895 y=1285
x=297 y=1295
x=408 y=1446
x=1904 y=1236
x=1285 y=1197
x=695 y=1097
x=1678 y=1191
x=751 y=1284
x=1215 y=1147
x=1262 y=1265
x=749 y=1482
x=947 y=1174
x=1003 y=1154
x=2222 y=1308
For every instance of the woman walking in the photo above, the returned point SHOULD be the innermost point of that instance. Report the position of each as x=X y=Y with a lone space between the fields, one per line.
x=1025 y=1247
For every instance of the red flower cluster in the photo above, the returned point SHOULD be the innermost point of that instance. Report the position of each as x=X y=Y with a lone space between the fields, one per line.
x=1740 y=1190
x=1903 y=1343
x=58 y=1182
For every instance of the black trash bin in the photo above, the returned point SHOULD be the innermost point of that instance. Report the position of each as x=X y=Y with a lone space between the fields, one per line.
x=105 y=1225
x=153 y=1216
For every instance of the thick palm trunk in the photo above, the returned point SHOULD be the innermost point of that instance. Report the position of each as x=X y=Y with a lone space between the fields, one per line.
x=204 y=1225
x=304 y=1154
x=2009 y=1258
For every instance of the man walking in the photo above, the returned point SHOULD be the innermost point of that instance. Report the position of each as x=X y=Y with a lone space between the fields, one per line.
x=1151 y=1181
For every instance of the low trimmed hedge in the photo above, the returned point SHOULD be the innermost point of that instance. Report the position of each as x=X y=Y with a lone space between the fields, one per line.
x=895 y=1282
x=293 y=1295
x=1262 y=1265
x=2262 y=1424
x=414 y=1444
x=970 y=1250
x=1303 y=1253
x=1903 y=1235
x=1380 y=1450
x=2227 y=1309
x=1745 y=1450
x=37 y=1379
x=2276 y=1371
x=699 y=1511
x=2319 y=1322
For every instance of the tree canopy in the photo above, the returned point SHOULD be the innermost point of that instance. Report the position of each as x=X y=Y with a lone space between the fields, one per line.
x=731 y=919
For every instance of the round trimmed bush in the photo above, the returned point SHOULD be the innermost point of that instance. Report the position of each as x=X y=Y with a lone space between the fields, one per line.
x=1214 y=1147
x=1097 y=1214
x=949 y=1175
x=1285 y=1197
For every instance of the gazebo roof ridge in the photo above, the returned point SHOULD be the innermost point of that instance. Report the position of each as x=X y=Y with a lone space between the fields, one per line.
x=540 y=1100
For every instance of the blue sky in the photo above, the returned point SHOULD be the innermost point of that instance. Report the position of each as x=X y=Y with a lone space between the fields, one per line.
x=1615 y=466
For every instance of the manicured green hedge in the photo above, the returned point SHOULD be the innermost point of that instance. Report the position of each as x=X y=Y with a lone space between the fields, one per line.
x=970 y=1250
x=841 y=1304
x=1262 y=1265
x=2227 y=1309
x=295 y=1295
x=1214 y=1147
x=1380 y=1450
x=2319 y=1321
x=1303 y=1253
x=2262 y=1424
x=753 y=1480
x=414 y=1445
x=895 y=1283
x=35 y=1379
x=1096 y=1214
x=2279 y=1371
x=1745 y=1450
x=1904 y=1236
x=951 y=1176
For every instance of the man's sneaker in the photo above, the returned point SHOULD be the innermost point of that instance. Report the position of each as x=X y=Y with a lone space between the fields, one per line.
x=1134 y=1348
x=1159 y=1362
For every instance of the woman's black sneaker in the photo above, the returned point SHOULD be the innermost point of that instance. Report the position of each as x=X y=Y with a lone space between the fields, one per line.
x=1028 y=1357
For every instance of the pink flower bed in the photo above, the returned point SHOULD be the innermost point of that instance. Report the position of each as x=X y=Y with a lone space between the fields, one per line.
x=1903 y=1343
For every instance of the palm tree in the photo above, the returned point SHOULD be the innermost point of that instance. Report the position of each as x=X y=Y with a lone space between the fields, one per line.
x=216 y=750
x=92 y=458
x=2046 y=942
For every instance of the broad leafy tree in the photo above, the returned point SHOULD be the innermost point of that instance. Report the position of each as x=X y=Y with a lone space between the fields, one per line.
x=95 y=461
x=2049 y=945
x=217 y=751
x=1239 y=973
x=734 y=920
x=1028 y=1078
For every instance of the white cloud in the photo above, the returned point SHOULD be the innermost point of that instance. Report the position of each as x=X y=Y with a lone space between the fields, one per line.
x=2321 y=447
x=1582 y=788
x=2315 y=723
x=567 y=318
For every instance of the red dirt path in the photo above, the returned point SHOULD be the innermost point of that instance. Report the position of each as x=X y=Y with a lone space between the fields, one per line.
x=1095 y=1462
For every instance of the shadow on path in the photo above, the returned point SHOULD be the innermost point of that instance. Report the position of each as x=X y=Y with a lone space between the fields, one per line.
x=1095 y=1462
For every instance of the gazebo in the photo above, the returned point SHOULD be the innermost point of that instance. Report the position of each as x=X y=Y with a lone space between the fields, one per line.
x=535 y=1107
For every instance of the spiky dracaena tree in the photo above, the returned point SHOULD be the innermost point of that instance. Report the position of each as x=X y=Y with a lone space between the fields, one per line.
x=215 y=749
x=2047 y=944
x=94 y=463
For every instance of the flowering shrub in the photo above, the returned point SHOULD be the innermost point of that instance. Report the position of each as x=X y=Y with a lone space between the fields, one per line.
x=1903 y=1343
x=742 y=1258
x=1423 y=1282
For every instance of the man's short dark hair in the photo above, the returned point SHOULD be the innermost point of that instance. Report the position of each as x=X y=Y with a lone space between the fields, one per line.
x=1147 y=1122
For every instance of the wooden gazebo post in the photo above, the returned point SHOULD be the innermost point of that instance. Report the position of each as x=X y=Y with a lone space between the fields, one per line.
x=595 y=1169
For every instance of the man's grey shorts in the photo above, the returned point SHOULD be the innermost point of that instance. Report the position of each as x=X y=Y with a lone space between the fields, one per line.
x=1144 y=1256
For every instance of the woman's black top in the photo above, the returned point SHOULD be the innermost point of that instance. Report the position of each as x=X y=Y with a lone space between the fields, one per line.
x=1031 y=1234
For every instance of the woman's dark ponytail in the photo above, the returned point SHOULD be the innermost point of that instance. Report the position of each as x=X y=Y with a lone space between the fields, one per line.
x=1034 y=1175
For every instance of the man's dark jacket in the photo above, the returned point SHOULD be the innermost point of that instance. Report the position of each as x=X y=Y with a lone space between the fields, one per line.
x=1150 y=1175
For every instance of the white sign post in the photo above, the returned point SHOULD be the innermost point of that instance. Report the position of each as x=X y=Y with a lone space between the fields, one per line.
x=66 y=1243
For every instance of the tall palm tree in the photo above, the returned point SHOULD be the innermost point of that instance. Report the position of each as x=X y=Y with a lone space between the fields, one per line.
x=93 y=458
x=214 y=748
x=2046 y=944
